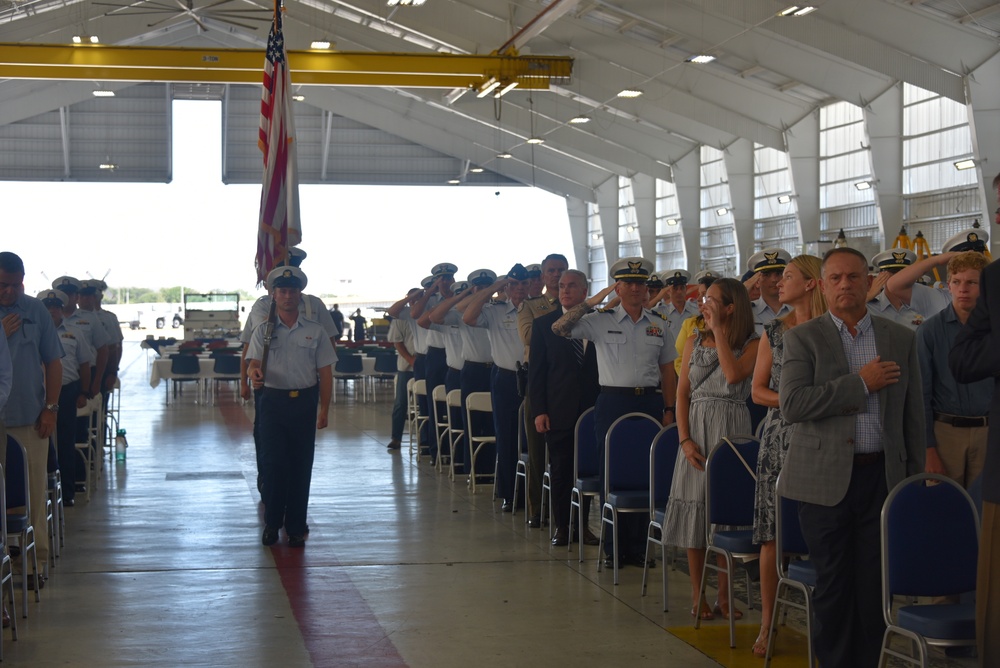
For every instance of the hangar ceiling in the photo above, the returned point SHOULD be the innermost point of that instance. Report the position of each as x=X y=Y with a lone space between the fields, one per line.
x=770 y=73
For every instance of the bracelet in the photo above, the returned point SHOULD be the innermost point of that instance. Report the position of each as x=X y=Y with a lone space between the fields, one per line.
x=668 y=408
x=686 y=440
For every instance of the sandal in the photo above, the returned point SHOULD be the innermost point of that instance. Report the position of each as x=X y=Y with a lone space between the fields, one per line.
x=717 y=609
x=706 y=614
x=759 y=648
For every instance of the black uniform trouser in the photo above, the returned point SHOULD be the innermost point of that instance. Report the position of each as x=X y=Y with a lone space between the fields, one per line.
x=66 y=437
x=437 y=371
x=288 y=443
x=632 y=526
x=256 y=434
x=505 y=407
x=475 y=377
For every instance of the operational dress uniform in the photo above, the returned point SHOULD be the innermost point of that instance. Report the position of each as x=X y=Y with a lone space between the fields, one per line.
x=288 y=411
x=527 y=312
x=477 y=371
x=77 y=354
x=500 y=321
x=629 y=357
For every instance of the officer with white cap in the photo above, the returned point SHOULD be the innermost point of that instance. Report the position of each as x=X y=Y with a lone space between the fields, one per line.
x=436 y=369
x=311 y=307
x=478 y=365
x=291 y=363
x=634 y=355
x=535 y=283
x=507 y=350
x=768 y=264
x=672 y=302
x=887 y=264
x=91 y=327
x=928 y=300
x=76 y=362
x=114 y=330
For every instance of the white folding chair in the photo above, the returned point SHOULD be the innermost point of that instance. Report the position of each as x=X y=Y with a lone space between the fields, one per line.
x=477 y=402
x=442 y=424
x=455 y=434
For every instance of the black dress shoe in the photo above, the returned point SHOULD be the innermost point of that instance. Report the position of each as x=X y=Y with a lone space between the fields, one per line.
x=296 y=541
x=535 y=522
x=561 y=538
x=507 y=506
x=269 y=537
x=637 y=560
x=69 y=503
x=609 y=562
x=589 y=538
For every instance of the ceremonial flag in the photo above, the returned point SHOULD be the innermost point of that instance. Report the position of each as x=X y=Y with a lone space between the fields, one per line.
x=280 y=226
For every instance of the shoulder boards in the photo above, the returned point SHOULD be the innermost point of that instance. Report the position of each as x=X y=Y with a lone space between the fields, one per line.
x=605 y=310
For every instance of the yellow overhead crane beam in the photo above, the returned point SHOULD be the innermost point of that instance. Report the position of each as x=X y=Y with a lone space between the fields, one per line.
x=100 y=62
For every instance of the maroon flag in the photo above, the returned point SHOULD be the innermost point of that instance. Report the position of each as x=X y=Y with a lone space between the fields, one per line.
x=280 y=226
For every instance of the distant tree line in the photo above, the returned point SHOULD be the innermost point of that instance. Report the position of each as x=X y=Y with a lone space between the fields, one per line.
x=162 y=295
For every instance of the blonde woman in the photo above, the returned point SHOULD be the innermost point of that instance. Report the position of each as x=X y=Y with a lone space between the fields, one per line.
x=799 y=288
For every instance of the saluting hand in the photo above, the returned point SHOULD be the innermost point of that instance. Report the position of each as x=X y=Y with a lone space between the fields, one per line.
x=878 y=284
x=877 y=374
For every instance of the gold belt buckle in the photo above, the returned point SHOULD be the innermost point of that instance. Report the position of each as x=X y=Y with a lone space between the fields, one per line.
x=294 y=394
x=638 y=391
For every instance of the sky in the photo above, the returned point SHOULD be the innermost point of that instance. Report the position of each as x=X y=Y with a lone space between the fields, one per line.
x=373 y=242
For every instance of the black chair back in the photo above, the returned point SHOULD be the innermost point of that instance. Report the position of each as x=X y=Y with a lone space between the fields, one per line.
x=186 y=364
x=227 y=365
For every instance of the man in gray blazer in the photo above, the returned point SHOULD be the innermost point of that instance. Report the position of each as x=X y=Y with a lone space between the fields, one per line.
x=850 y=383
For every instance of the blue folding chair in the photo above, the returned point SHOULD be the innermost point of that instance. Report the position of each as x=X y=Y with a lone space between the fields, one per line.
x=6 y=565
x=799 y=575
x=930 y=546
x=626 y=474
x=18 y=515
x=184 y=368
x=349 y=368
x=730 y=486
x=662 y=458
x=586 y=472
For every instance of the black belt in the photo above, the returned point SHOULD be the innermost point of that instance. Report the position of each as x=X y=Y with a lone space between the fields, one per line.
x=962 y=421
x=631 y=391
x=503 y=370
x=291 y=394
x=868 y=458
x=485 y=364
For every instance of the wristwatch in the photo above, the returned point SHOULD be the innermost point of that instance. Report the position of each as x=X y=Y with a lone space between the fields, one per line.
x=52 y=407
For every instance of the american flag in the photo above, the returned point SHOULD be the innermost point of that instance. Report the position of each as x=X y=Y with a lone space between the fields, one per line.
x=280 y=226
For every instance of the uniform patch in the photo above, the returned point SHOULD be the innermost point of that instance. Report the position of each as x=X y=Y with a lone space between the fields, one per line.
x=66 y=335
x=653 y=330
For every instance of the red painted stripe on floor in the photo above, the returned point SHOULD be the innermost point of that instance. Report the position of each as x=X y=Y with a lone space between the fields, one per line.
x=337 y=626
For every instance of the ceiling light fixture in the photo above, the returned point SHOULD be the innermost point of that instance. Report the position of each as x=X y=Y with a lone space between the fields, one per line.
x=298 y=97
x=476 y=170
x=504 y=156
x=101 y=92
x=630 y=93
x=108 y=165
x=536 y=140
x=85 y=39
x=595 y=236
x=699 y=59
x=321 y=44
x=968 y=163
x=863 y=185
x=454 y=182
x=784 y=199
x=671 y=221
x=579 y=120
x=405 y=3
x=721 y=211
x=789 y=10
x=808 y=9
x=488 y=86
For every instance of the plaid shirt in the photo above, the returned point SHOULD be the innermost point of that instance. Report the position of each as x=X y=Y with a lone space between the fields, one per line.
x=860 y=350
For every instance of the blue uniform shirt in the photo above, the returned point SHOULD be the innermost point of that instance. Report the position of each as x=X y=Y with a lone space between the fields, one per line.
x=927 y=300
x=450 y=331
x=675 y=318
x=310 y=306
x=89 y=323
x=33 y=345
x=906 y=315
x=629 y=354
x=296 y=353
x=763 y=314
x=475 y=344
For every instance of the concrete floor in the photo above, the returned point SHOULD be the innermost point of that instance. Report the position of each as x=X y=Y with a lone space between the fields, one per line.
x=164 y=566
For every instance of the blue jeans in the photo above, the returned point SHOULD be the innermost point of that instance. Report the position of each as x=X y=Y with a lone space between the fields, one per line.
x=399 y=406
